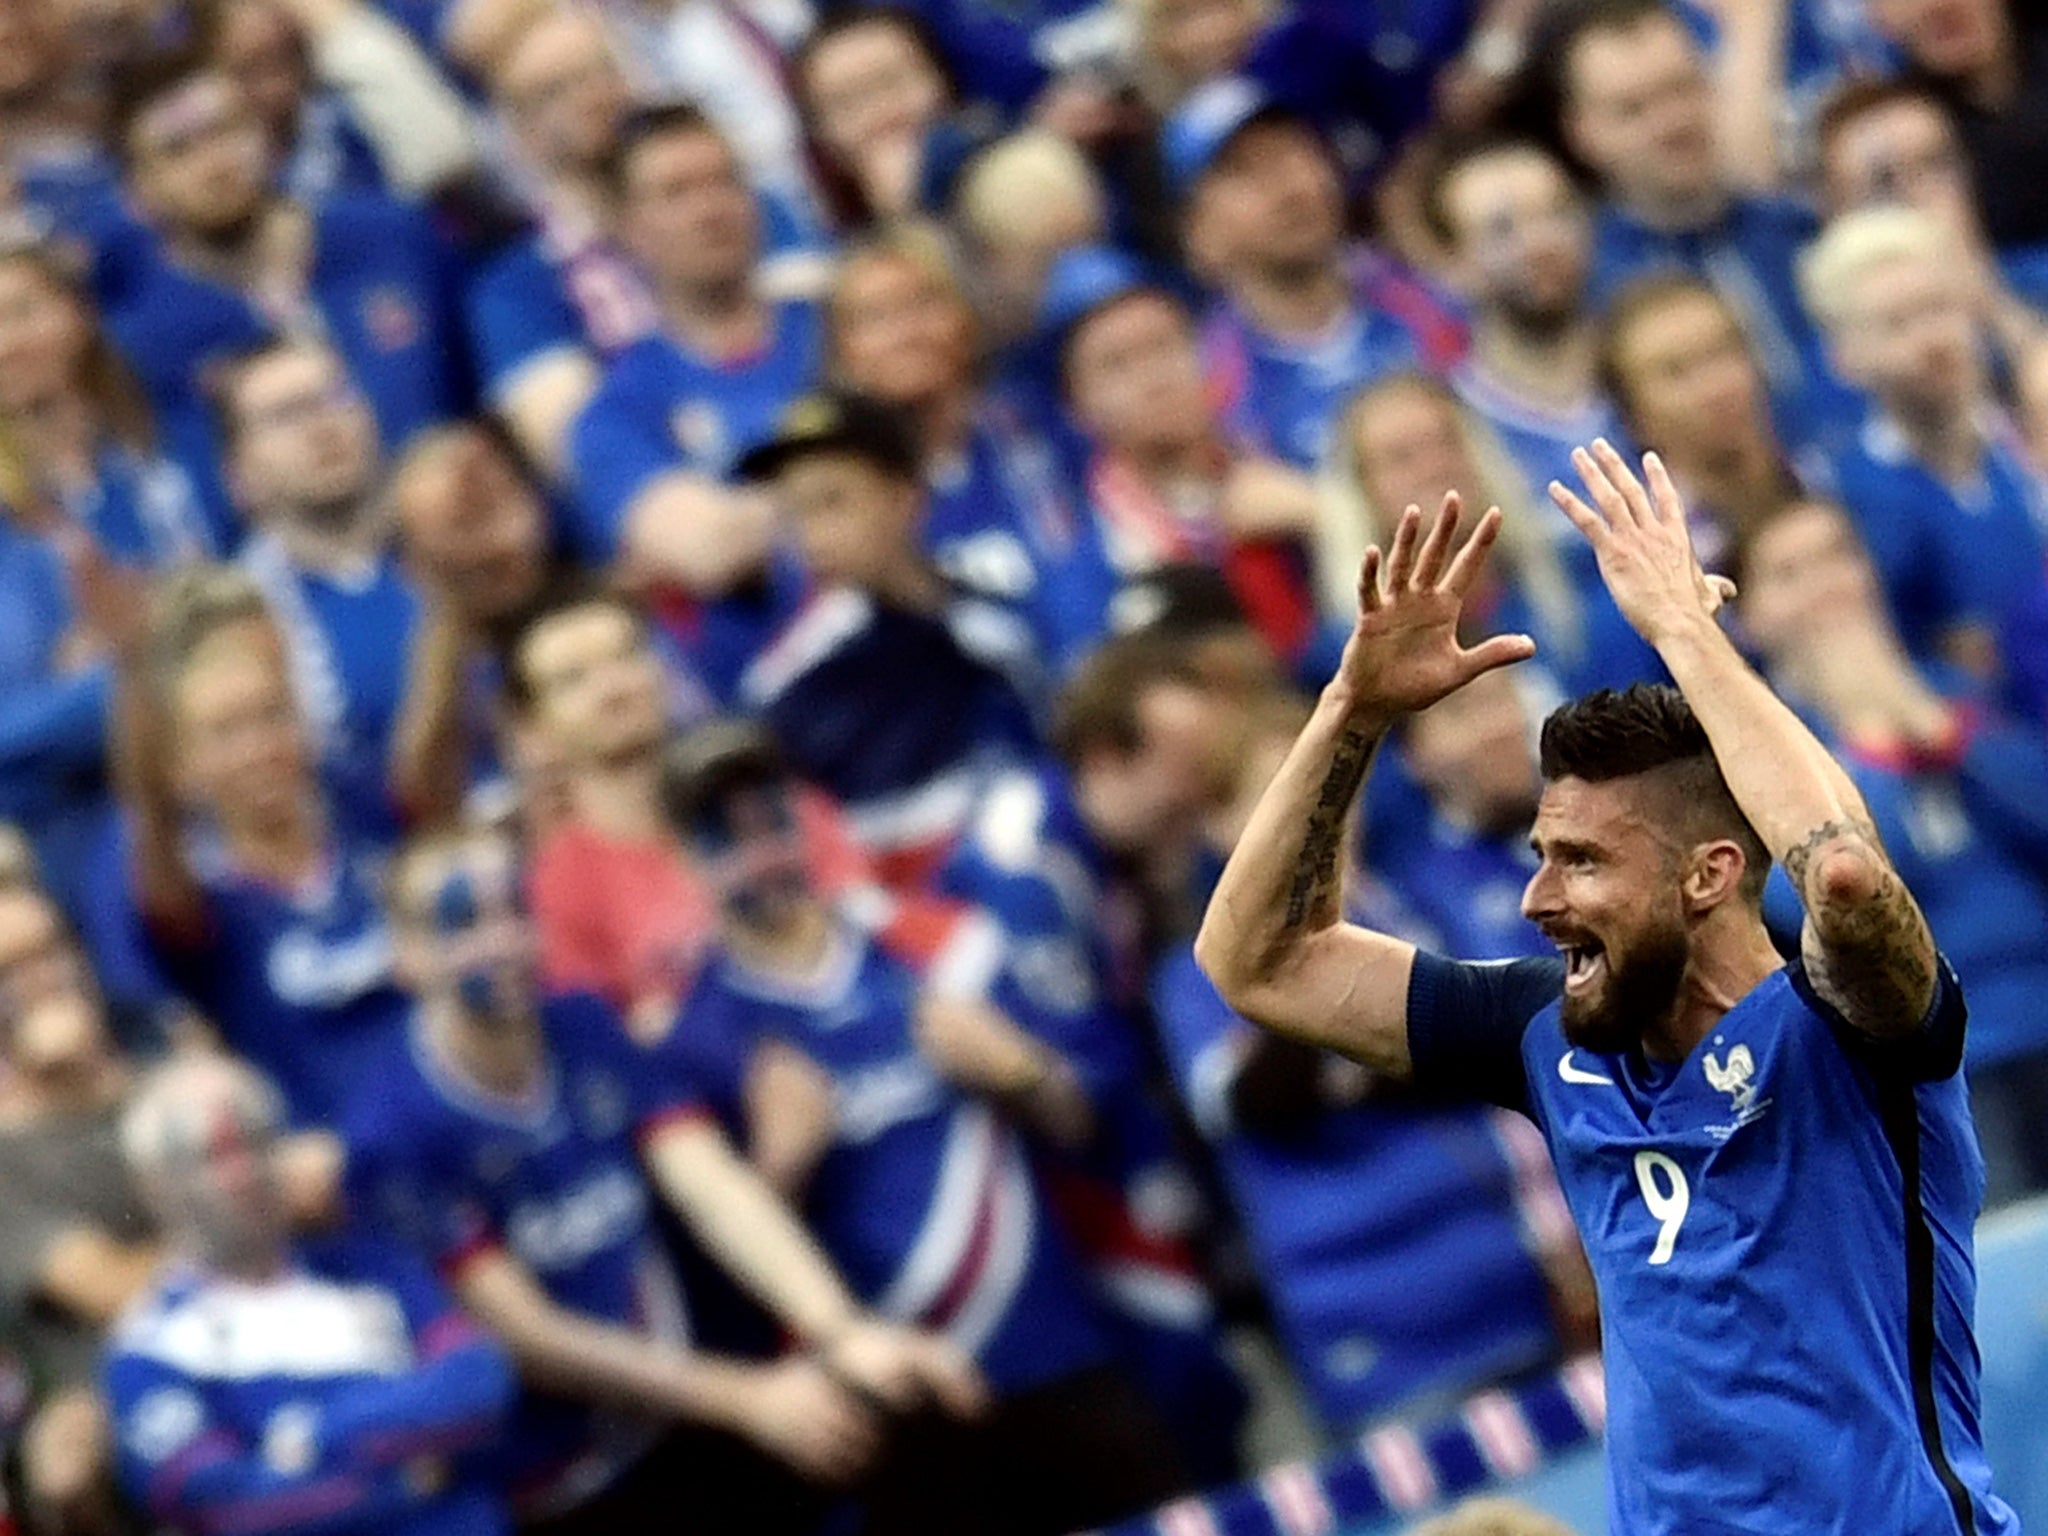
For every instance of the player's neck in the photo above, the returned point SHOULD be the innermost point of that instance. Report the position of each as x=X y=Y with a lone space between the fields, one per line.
x=1555 y=369
x=1728 y=962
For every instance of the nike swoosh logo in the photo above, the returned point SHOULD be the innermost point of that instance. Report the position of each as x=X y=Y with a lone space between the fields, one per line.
x=1572 y=1074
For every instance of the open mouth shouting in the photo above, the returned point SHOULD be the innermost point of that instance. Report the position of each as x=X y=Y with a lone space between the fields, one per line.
x=1585 y=966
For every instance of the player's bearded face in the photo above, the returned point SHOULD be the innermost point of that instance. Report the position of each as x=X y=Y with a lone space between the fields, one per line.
x=1617 y=984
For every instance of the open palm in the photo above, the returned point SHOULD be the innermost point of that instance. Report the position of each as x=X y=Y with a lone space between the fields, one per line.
x=1405 y=655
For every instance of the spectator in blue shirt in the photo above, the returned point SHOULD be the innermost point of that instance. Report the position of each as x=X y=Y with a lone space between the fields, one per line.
x=1892 y=141
x=235 y=261
x=1518 y=235
x=1304 y=317
x=1687 y=384
x=1405 y=441
x=80 y=464
x=1958 y=792
x=1002 y=517
x=548 y=311
x=1951 y=509
x=256 y=897
x=301 y=456
x=893 y=683
x=652 y=451
x=1635 y=106
x=264 y=1384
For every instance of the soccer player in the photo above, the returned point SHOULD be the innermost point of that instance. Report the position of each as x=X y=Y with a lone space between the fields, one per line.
x=1772 y=1165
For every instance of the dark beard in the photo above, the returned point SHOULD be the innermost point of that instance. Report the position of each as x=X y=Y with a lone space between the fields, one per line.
x=1639 y=992
x=1543 y=324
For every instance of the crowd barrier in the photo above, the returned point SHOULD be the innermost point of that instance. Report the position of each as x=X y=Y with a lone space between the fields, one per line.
x=1540 y=1440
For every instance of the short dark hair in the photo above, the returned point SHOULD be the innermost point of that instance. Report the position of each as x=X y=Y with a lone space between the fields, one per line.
x=1649 y=728
x=140 y=83
x=643 y=125
x=565 y=595
x=1451 y=154
x=713 y=761
x=840 y=20
x=222 y=376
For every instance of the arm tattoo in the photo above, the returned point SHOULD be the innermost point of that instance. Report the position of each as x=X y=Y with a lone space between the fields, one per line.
x=1315 y=867
x=1876 y=960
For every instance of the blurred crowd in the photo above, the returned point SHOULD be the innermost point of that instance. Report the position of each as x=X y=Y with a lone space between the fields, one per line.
x=632 y=633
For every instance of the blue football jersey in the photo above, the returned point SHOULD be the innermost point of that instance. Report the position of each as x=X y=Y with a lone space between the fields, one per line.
x=1780 y=1226
x=298 y=1403
x=555 y=1182
x=926 y=1200
x=662 y=407
x=1947 y=552
x=348 y=639
x=377 y=291
x=297 y=979
x=1283 y=394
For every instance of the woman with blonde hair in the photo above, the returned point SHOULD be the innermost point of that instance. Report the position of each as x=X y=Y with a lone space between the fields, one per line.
x=1406 y=439
x=1000 y=518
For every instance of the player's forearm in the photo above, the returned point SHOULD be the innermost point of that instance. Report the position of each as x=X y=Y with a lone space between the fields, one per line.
x=752 y=1234
x=1283 y=882
x=1785 y=781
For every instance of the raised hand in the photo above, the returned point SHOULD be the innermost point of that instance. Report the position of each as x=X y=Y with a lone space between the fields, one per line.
x=1404 y=654
x=1640 y=538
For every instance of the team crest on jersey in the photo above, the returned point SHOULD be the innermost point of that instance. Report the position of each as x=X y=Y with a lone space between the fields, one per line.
x=1735 y=1077
x=391 y=318
x=699 y=429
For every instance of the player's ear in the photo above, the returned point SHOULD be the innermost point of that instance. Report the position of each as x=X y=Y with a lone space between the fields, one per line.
x=1713 y=875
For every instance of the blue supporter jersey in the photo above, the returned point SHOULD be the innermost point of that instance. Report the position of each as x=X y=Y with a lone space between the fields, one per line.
x=1390 y=1240
x=1006 y=53
x=1002 y=521
x=897 y=714
x=925 y=1200
x=1282 y=395
x=376 y=292
x=296 y=980
x=1749 y=256
x=1539 y=439
x=307 y=1402
x=663 y=407
x=555 y=1183
x=144 y=510
x=1464 y=884
x=1947 y=553
x=348 y=640
x=330 y=155
x=1780 y=1226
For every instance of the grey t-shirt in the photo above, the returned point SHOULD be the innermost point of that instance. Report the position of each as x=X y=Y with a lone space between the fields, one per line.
x=58 y=1174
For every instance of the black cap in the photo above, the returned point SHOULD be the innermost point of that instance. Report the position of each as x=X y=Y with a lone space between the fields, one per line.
x=712 y=760
x=838 y=421
x=1182 y=599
